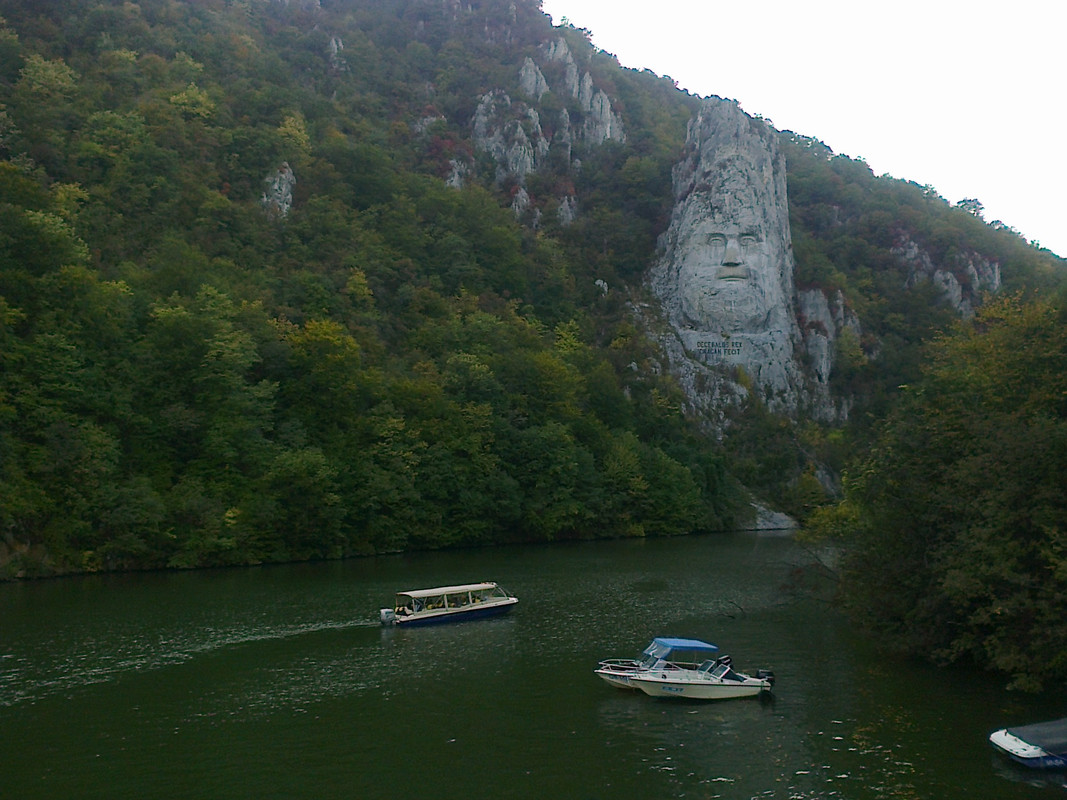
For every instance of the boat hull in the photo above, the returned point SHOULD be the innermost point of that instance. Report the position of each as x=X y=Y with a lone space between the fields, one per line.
x=657 y=686
x=464 y=614
x=1025 y=753
x=618 y=672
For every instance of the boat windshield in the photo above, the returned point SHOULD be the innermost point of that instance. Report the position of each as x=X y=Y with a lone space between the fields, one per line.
x=724 y=673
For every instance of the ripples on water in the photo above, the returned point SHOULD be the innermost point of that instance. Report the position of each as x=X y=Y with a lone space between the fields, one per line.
x=246 y=677
x=103 y=658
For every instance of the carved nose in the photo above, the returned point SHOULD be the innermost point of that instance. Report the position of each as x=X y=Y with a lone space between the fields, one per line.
x=732 y=256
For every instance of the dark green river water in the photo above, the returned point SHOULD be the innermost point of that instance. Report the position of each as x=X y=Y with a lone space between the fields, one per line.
x=278 y=682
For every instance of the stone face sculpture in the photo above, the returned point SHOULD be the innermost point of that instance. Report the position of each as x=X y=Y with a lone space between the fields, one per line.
x=725 y=276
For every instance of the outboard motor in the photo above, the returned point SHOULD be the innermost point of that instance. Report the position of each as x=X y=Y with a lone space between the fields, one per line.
x=388 y=616
x=765 y=675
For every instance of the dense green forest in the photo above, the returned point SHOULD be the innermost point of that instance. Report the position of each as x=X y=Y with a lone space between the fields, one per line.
x=955 y=521
x=192 y=376
x=190 y=380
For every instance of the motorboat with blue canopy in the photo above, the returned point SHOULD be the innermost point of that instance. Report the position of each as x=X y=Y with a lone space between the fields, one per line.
x=1042 y=745
x=448 y=604
x=665 y=649
x=675 y=667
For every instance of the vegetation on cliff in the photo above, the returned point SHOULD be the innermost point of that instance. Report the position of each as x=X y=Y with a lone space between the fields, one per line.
x=191 y=377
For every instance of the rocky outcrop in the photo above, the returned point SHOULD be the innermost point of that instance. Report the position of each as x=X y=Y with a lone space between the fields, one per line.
x=334 y=52
x=599 y=121
x=567 y=211
x=558 y=52
x=506 y=123
x=962 y=282
x=531 y=81
x=511 y=133
x=277 y=198
x=510 y=130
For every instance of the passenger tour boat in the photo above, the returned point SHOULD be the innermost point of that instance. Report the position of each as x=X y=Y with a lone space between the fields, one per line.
x=448 y=604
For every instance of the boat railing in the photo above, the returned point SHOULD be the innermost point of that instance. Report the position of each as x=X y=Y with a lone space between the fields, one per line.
x=620 y=664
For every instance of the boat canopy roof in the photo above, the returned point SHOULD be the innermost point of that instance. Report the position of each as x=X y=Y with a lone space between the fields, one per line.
x=1049 y=736
x=680 y=649
x=440 y=590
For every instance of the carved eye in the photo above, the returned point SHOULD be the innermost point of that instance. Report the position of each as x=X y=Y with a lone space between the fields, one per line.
x=748 y=241
x=716 y=240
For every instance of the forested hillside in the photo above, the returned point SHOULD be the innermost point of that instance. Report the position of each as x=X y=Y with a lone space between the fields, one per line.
x=955 y=521
x=193 y=375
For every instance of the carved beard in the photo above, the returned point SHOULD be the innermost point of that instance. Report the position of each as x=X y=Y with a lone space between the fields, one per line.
x=727 y=306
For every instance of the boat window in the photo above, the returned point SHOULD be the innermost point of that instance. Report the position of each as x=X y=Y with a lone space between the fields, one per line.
x=723 y=672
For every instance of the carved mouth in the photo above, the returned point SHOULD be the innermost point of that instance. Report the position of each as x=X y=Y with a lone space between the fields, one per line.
x=732 y=273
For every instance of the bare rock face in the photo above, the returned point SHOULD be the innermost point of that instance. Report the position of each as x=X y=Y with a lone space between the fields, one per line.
x=510 y=131
x=962 y=282
x=725 y=276
x=277 y=197
x=531 y=81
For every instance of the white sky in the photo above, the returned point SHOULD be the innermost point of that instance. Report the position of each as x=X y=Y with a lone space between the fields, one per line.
x=968 y=96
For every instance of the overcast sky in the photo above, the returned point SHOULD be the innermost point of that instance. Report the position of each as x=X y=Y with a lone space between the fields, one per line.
x=968 y=96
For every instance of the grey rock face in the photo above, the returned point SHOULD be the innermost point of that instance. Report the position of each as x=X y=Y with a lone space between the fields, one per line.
x=962 y=282
x=531 y=81
x=277 y=198
x=725 y=282
x=725 y=277
x=510 y=131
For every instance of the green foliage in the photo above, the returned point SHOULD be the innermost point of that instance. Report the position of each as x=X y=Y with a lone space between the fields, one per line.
x=186 y=380
x=958 y=515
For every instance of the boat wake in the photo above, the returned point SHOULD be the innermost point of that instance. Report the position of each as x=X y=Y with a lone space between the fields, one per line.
x=29 y=677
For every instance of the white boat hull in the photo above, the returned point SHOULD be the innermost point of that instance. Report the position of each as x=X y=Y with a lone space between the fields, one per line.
x=696 y=687
x=1025 y=752
x=618 y=672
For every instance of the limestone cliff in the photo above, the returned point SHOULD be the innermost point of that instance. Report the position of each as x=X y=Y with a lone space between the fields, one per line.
x=510 y=130
x=724 y=277
x=962 y=282
x=277 y=197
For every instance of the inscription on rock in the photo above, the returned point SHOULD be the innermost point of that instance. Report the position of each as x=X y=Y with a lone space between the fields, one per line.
x=719 y=349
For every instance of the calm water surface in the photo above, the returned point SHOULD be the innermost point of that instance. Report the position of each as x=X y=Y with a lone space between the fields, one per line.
x=279 y=683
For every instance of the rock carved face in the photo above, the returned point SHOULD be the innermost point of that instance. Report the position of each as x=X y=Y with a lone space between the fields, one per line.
x=726 y=275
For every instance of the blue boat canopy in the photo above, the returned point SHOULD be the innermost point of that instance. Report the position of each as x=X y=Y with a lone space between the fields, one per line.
x=672 y=649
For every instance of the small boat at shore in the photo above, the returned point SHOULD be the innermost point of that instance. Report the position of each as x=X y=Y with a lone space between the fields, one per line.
x=1042 y=745
x=673 y=667
x=448 y=604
